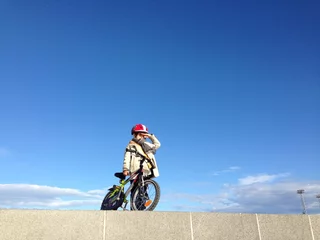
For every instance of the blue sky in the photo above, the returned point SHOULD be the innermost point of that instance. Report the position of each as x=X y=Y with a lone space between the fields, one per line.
x=232 y=91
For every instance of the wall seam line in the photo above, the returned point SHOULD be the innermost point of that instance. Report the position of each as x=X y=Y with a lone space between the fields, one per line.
x=191 y=227
x=311 y=229
x=258 y=225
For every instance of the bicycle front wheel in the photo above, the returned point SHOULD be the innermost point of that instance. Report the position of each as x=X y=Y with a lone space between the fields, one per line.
x=142 y=199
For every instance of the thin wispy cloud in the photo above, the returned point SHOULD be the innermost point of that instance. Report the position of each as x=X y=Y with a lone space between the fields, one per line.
x=274 y=197
x=261 y=193
x=228 y=170
x=261 y=178
x=40 y=196
x=253 y=194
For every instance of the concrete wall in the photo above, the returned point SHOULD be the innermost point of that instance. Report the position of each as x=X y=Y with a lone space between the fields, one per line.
x=102 y=225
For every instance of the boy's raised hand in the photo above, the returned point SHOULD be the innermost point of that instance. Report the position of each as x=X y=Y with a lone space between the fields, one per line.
x=146 y=135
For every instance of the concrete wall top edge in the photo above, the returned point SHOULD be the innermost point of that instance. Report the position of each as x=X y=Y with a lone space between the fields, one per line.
x=164 y=212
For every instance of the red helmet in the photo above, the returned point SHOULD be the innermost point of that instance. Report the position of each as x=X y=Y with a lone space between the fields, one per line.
x=139 y=128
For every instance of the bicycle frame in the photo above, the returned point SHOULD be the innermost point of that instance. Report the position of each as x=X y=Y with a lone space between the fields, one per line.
x=135 y=177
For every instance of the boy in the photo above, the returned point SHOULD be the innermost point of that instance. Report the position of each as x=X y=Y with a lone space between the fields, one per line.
x=139 y=147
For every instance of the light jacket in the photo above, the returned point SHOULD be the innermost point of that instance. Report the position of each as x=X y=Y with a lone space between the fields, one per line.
x=132 y=157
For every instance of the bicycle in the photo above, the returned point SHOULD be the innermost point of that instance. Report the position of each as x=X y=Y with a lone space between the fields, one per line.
x=116 y=197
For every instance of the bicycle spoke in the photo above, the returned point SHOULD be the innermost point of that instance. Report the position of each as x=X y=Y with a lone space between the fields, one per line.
x=143 y=199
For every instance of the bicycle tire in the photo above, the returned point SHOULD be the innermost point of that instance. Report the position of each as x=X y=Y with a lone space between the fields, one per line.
x=154 y=203
x=105 y=205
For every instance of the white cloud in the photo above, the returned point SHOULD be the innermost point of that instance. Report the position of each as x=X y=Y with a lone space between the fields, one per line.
x=261 y=178
x=230 y=169
x=253 y=194
x=263 y=193
x=279 y=197
x=28 y=195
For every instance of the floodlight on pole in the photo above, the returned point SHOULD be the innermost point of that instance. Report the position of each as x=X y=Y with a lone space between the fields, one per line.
x=318 y=196
x=301 y=192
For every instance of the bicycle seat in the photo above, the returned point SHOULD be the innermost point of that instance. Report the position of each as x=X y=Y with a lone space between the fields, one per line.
x=120 y=175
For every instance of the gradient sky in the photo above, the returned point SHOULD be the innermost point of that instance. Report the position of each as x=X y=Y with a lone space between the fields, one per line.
x=232 y=91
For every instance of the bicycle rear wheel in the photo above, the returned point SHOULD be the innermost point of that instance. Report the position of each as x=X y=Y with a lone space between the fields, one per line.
x=141 y=200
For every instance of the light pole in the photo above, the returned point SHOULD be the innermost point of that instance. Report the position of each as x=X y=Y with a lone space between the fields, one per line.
x=318 y=196
x=301 y=192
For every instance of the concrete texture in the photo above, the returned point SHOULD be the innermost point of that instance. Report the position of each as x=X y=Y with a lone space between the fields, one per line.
x=284 y=227
x=51 y=225
x=224 y=226
x=115 y=225
x=315 y=222
x=148 y=225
